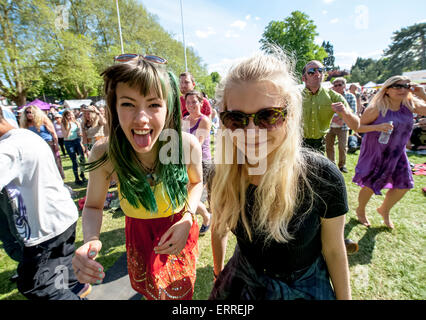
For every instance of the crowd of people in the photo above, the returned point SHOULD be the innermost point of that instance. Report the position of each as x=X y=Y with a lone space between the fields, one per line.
x=294 y=209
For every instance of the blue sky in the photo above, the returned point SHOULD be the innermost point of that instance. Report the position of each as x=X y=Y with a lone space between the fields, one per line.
x=222 y=31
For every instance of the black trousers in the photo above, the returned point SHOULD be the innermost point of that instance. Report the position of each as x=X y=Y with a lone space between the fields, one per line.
x=46 y=273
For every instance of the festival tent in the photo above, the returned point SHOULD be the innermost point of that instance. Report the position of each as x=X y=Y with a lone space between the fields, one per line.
x=370 y=84
x=75 y=104
x=38 y=103
x=416 y=76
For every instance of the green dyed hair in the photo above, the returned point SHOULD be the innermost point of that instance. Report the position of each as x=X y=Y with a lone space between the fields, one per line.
x=134 y=186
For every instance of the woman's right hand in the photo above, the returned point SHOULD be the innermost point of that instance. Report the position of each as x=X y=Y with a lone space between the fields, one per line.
x=85 y=267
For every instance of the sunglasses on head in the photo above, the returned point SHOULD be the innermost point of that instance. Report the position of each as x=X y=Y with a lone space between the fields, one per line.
x=311 y=71
x=126 y=57
x=400 y=86
x=269 y=118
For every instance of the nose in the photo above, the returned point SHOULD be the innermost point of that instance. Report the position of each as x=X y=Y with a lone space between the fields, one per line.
x=251 y=124
x=142 y=117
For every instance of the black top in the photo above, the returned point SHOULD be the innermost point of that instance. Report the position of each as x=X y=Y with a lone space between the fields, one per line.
x=330 y=201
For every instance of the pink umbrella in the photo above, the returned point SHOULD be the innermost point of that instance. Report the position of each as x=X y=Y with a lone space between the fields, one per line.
x=38 y=103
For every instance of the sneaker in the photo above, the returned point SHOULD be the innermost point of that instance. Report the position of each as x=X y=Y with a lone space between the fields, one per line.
x=85 y=291
x=351 y=246
x=204 y=229
x=344 y=170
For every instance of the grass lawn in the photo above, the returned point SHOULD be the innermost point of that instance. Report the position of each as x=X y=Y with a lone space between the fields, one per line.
x=389 y=265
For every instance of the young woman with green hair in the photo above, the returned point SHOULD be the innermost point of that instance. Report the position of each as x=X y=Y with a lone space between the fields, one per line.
x=158 y=196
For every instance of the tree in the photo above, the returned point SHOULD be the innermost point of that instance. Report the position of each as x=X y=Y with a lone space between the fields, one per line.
x=365 y=70
x=38 y=57
x=295 y=35
x=20 y=45
x=407 y=51
x=330 y=59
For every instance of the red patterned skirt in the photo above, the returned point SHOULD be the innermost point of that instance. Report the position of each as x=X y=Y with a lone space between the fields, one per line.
x=160 y=276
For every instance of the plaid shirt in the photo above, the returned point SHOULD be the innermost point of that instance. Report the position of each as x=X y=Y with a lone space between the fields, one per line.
x=351 y=99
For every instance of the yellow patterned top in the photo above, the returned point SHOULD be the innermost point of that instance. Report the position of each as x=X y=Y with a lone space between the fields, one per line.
x=165 y=208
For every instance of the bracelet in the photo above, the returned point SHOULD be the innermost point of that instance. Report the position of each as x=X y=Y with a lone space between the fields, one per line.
x=214 y=275
x=192 y=214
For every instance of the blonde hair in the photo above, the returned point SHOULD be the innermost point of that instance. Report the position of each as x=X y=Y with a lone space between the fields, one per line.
x=39 y=118
x=382 y=101
x=279 y=192
x=93 y=120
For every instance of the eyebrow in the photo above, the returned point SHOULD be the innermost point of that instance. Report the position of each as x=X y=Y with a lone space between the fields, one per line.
x=150 y=99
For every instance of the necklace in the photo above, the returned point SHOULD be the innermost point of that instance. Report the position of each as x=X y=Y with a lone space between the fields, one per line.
x=150 y=174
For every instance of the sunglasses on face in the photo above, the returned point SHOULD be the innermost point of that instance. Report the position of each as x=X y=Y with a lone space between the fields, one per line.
x=269 y=118
x=311 y=71
x=130 y=56
x=400 y=86
x=338 y=85
x=28 y=112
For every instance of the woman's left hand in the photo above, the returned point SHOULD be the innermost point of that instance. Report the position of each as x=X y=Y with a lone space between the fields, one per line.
x=174 y=239
x=418 y=90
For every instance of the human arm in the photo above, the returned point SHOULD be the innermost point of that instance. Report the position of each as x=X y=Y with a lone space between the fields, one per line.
x=91 y=271
x=334 y=252
x=66 y=131
x=219 y=244
x=49 y=126
x=350 y=118
x=203 y=131
x=370 y=115
x=174 y=239
x=419 y=91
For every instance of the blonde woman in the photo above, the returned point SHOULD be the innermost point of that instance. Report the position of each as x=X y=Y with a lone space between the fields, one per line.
x=34 y=119
x=288 y=219
x=386 y=166
x=92 y=126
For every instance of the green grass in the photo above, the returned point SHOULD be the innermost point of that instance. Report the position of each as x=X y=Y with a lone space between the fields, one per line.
x=389 y=265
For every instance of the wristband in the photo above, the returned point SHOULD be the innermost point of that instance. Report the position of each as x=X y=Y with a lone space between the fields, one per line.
x=214 y=275
x=190 y=212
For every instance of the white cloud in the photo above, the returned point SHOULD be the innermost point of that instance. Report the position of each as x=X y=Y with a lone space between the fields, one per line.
x=257 y=18
x=205 y=34
x=328 y=1
x=335 y=20
x=324 y=11
x=248 y=17
x=239 y=24
x=231 y=34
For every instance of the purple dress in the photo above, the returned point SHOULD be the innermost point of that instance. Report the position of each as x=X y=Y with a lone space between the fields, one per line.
x=386 y=166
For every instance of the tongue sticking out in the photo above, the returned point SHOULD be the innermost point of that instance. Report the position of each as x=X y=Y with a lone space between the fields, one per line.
x=142 y=140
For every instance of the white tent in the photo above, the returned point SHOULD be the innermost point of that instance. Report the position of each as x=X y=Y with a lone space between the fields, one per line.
x=75 y=104
x=416 y=76
x=370 y=84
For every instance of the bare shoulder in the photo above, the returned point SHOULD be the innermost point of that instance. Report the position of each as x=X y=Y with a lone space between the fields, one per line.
x=97 y=152
x=189 y=140
x=370 y=114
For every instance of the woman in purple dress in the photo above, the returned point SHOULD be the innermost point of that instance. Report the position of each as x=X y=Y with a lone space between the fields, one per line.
x=386 y=166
